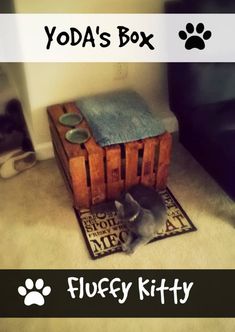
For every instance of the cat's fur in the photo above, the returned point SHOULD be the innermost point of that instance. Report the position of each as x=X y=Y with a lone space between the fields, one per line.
x=144 y=213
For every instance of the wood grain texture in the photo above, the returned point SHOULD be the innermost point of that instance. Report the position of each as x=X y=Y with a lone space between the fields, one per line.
x=147 y=175
x=95 y=174
x=131 y=164
x=63 y=171
x=72 y=150
x=81 y=195
x=163 y=161
x=59 y=149
x=113 y=170
x=96 y=161
x=90 y=145
x=98 y=185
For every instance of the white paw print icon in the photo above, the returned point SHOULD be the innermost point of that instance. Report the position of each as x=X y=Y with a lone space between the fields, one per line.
x=34 y=295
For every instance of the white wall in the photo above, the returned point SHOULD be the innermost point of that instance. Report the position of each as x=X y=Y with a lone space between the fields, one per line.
x=88 y=6
x=16 y=72
x=41 y=85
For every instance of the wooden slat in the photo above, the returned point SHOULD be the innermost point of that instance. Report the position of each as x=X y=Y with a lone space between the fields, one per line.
x=98 y=187
x=147 y=175
x=96 y=162
x=73 y=159
x=72 y=150
x=113 y=170
x=62 y=171
x=57 y=142
x=140 y=144
x=90 y=145
x=131 y=153
x=79 y=182
x=163 y=161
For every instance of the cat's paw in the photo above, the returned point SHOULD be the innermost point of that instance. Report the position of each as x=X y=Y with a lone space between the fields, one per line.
x=127 y=249
x=125 y=246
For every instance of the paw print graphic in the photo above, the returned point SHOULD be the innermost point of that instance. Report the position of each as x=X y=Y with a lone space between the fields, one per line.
x=34 y=294
x=195 y=39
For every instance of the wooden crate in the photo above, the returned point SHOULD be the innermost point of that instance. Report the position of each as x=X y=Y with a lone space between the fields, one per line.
x=94 y=174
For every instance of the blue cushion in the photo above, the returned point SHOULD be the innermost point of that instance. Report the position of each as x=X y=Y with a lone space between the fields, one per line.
x=119 y=117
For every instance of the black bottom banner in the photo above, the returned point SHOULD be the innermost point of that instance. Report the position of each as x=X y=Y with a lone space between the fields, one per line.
x=117 y=293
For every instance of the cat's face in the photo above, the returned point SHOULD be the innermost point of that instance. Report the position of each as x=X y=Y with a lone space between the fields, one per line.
x=128 y=210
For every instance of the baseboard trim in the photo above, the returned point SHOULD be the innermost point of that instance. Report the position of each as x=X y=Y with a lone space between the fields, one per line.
x=44 y=151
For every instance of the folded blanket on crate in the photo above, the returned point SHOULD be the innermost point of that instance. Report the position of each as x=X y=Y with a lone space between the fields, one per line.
x=119 y=117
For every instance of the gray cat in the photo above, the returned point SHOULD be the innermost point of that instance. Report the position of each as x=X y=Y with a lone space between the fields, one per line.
x=144 y=213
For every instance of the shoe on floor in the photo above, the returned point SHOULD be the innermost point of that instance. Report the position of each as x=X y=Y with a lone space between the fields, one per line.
x=9 y=154
x=18 y=164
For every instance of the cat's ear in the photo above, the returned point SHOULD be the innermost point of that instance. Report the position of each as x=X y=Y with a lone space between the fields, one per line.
x=118 y=205
x=129 y=198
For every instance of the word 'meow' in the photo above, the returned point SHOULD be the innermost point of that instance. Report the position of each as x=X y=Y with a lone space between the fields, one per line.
x=94 y=37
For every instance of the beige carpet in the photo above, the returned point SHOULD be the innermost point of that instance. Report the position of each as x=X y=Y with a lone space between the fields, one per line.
x=39 y=230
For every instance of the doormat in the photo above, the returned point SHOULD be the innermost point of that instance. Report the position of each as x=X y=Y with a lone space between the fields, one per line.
x=104 y=233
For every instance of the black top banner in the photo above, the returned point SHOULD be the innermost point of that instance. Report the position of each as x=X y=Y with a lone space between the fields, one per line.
x=117 y=293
